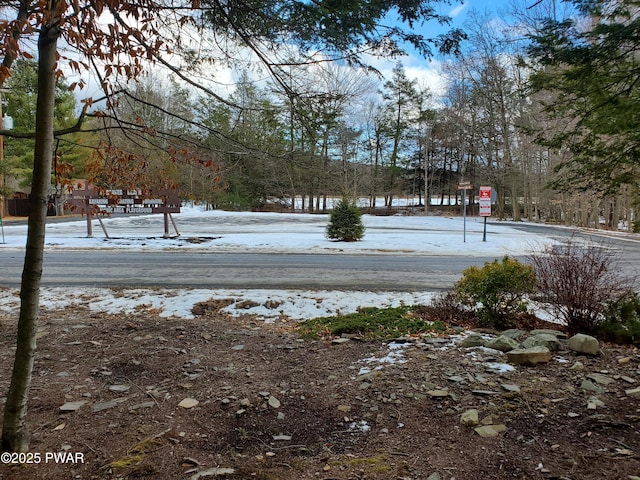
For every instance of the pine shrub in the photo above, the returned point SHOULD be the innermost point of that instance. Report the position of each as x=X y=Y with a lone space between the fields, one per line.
x=622 y=321
x=345 y=222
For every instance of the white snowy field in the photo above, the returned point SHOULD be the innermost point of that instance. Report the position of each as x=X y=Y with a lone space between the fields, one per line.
x=218 y=231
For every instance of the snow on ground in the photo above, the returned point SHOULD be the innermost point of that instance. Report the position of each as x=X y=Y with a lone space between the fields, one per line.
x=297 y=305
x=218 y=231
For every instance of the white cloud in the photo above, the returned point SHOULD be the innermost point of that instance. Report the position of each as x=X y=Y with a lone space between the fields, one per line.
x=456 y=11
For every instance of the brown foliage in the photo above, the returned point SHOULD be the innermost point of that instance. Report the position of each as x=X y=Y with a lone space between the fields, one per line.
x=576 y=282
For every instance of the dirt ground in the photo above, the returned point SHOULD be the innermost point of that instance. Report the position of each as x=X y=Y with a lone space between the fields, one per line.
x=235 y=398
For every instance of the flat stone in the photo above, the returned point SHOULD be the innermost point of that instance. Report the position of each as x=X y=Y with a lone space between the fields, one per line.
x=549 y=331
x=582 y=343
x=119 y=388
x=438 y=393
x=511 y=388
x=633 y=392
x=188 y=403
x=470 y=417
x=282 y=438
x=73 y=406
x=341 y=340
x=98 y=407
x=529 y=356
x=589 y=386
x=486 y=393
x=600 y=378
x=490 y=431
x=140 y=406
x=213 y=472
x=274 y=402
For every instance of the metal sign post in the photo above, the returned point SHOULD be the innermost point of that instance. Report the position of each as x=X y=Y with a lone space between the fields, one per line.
x=485 y=208
x=464 y=186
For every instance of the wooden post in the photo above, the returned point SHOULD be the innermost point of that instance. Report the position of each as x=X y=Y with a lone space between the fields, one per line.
x=88 y=212
x=173 y=222
x=104 y=229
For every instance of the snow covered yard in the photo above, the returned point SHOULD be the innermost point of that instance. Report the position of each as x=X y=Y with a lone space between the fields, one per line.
x=219 y=231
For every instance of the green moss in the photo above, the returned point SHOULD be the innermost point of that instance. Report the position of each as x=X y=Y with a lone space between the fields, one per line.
x=128 y=461
x=372 y=323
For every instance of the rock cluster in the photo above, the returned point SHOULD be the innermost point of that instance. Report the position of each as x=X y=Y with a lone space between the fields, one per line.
x=535 y=347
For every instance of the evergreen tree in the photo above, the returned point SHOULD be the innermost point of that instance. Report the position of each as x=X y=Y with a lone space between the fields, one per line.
x=594 y=75
x=345 y=222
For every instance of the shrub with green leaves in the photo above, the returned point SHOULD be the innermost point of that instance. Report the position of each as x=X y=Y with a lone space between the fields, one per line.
x=497 y=290
x=622 y=321
x=345 y=222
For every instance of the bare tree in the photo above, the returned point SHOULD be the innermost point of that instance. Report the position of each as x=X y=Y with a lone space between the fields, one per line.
x=576 y=281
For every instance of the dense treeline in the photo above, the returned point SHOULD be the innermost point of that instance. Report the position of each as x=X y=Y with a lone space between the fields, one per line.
x=327 y=130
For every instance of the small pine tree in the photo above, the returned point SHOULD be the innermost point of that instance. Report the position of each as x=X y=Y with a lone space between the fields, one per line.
x=345 y=222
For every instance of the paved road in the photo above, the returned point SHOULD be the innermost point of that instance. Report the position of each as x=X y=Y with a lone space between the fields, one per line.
x=625 y=249
x=242 y=270
x=286 y=271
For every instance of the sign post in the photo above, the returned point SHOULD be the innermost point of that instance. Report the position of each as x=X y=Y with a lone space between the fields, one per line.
x=2 y=226
x=131 y=201
x=485 y=208
x=464 y=186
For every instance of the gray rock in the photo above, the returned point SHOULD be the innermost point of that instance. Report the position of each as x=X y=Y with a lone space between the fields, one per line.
x=514 y=333
x=582 y=343
x=601 y=378
x=542 y=340
x=503 y=343
x=529 y=356
x=633 y=392
x=438 y=393
x=511 y=388
x=119 y=388
x=589 y=386
x=470 y=417
x=594 y=402
x=73 y=406
x=489 y=431
x=141 y=406
x=98 y=407
x=472 y=340
x=556 y=333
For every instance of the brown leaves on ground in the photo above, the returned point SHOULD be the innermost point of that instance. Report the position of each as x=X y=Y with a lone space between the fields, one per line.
x=235 y=398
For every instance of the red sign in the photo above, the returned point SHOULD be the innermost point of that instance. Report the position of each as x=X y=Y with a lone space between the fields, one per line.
x=485 y=201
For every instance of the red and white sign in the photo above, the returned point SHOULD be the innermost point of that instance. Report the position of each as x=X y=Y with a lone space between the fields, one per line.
x=485 y=201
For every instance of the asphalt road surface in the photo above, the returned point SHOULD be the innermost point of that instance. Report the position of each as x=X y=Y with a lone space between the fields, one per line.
x=241 y=270
x=117 y=268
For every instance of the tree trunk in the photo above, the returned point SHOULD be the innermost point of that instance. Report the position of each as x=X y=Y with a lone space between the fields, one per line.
x=15 y=436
